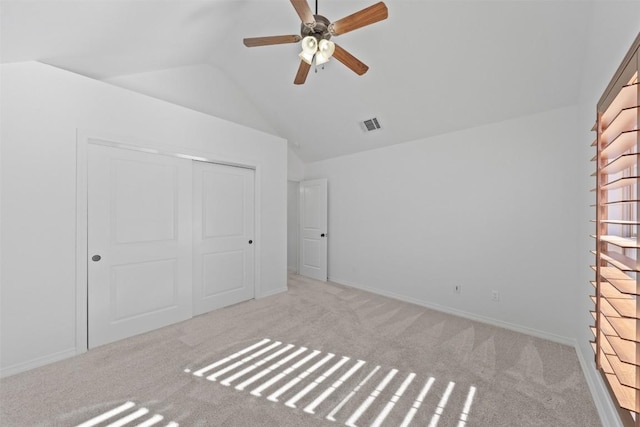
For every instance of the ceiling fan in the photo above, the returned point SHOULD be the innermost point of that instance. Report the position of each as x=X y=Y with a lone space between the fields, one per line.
x=316 y=32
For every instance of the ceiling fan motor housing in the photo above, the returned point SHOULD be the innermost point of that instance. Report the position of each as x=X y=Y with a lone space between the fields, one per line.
x=320 y=30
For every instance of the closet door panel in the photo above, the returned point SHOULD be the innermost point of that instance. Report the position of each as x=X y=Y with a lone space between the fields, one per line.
x=223 y=236
x=139 y=219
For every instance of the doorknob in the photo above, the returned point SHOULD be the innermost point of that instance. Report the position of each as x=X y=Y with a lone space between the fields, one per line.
x=322 y=235
x=250 y=241
x=96 y=258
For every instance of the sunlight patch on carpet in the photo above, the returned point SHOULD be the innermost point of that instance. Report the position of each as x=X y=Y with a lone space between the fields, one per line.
x=297 y=375
x=127 y=417
x=467 y=407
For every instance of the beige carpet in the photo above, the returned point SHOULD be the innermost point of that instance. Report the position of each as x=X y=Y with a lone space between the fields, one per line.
x=392 y=362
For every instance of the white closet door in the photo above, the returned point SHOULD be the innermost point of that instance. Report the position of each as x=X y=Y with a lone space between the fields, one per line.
x=140 y=231
x=313 y=229
x=223 y=236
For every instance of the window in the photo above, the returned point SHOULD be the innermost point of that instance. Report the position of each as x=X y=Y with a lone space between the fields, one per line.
x=616 y=311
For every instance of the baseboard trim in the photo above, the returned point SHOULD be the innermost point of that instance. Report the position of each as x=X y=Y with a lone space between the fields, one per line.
x=471 y=316
x=604 y=405
x=272 y=292
x=37 y=362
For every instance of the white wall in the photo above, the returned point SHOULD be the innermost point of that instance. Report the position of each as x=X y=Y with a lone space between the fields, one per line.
x=489 y=208
x=204 y=88
x=295 y=173
x=207 y=89
x=42 y=107
x=295 y=166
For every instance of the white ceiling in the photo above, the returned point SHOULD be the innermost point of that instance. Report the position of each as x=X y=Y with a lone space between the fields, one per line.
x=435 y=66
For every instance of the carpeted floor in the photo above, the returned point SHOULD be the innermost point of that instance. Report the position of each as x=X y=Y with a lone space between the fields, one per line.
x=392 y=362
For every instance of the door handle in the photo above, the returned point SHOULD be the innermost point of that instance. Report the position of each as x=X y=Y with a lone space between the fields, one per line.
x=322 y=235
x=250 y=241
x=96 y=258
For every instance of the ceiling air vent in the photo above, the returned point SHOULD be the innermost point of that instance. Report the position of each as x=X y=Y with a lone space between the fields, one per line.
x=370 y=125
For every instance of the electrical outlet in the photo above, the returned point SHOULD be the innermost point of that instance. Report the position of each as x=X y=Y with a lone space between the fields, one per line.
x=495 y=296
x=457 y=289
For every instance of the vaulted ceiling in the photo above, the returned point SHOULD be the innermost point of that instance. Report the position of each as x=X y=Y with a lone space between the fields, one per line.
x=435 y=66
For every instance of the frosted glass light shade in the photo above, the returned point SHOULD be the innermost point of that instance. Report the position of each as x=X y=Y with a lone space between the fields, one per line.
x=326 y=48
x=321 y=59
x=308 y=58
x=309 y=49
x=309 y=45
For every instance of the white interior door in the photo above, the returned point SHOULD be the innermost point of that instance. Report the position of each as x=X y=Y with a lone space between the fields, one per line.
x=139 y=241
x=223 y=236
x=313 y=229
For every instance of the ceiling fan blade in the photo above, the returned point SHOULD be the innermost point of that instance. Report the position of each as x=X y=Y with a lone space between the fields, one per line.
x=350 y=61
x=266 y=41
x=367 y=16
x=304 y=12
x=303 y=70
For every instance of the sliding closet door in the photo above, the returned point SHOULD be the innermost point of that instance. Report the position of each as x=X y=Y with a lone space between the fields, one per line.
x=223 y=236
x=139 y=241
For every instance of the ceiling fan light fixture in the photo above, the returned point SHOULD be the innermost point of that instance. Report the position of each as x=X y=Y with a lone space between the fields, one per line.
x=326 y=48
x=321 y=59
x=309 y=45
x=306 y=57
x=309 y=49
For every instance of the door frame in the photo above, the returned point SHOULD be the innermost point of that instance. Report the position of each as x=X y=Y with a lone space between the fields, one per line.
x=297 y=227
x=86 y=137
